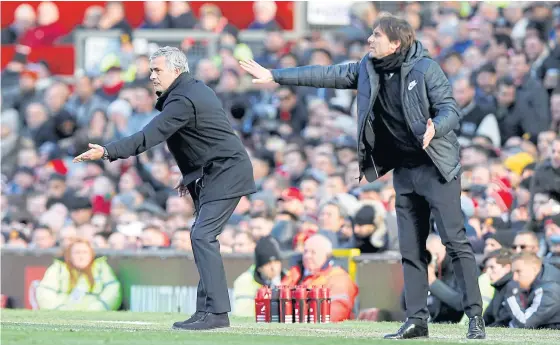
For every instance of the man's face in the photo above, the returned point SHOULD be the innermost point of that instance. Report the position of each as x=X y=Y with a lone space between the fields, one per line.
x=43 y=239
x=519 y=66
x=182 y=241
x=330 y=219
x=463 y=92
x=506 y=95
x=524 y=273
x=81 y=216
x=314 y=257
x=525 y=244
x=309 y=188
x=56 y=188
x=260 y=227
x=481 y=176
x=533 y=47
x=294 y=164
x=84 y=88
x=117 y=241
x=287 y=99
x=495 y=270
x=335 y=185
x=380 y=46
x=271 y=270
x=161 y=75
x=243 y=243
x=486 y=81
x=490 y=245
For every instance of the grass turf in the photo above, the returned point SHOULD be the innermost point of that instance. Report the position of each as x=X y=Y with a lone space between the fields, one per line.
x=24 y=327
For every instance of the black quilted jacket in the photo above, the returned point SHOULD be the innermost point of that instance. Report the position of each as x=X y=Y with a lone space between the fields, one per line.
x=425 y=93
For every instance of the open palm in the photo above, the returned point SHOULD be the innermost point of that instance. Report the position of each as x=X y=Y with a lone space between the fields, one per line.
x=261 y=74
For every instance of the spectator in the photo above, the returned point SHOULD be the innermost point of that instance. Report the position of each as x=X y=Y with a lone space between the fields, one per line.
x=476 y=120
x=265 y=16
x=267 y=270
x=211 y=20
x=43 y=237
x=114 y=17
x=370 y=232
x=80 y=282
x=526 y=242
x=331 y=220
x=243 y=242
x=552 y=233
x=48 y=29
x=156 y=16
x=24 y=19
x=84 y=102
x=317 y=268
x=541 y=282
x=498 y=268
x=182 y=240
x=92 y=17
x=181 y=15
x=291 y=110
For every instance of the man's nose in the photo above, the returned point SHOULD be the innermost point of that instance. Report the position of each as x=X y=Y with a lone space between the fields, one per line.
x=153 y=76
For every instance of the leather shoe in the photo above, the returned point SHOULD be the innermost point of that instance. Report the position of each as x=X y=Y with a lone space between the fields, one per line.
x=208 y=321
x=195 y=317
x=409 y=330
x=476 y=328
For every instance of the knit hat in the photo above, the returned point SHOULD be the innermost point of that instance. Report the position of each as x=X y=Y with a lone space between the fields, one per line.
x=518 y=162
x=503 y=198
x=365 y=216
x=266 y=250
x=292 y=193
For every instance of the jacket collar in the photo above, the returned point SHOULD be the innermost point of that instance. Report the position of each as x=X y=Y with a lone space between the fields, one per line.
x=503 y=281
x=182 y=79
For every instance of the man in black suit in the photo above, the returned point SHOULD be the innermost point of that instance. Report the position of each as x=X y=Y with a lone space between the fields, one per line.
x=215 y=166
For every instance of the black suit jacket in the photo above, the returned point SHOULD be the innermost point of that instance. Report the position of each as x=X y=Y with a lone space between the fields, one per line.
x=200 y=138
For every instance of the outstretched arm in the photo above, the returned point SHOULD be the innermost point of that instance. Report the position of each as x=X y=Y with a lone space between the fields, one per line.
x=343 y=76
x=175 y=116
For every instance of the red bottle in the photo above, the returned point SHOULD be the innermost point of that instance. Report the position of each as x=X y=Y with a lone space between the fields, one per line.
x=286 y=307
x=300 y=304
x=262 y=305
x=325 y=298
x=314 y=305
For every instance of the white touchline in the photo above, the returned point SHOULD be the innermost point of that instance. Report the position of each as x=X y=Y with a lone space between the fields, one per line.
x=124 y=322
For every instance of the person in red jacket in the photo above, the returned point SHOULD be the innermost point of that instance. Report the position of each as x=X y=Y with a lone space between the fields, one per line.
x=317 y=269
x=49 y=28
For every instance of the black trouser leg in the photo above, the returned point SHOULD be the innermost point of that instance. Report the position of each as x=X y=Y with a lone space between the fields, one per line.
x=413 y=220
x=210 y=221
x=200 y=291
x=444 y=199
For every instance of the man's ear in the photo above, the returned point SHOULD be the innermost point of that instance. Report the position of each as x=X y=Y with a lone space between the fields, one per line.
x=395 y=45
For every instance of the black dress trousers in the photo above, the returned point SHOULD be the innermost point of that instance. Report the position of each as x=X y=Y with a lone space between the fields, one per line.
x=420 y=191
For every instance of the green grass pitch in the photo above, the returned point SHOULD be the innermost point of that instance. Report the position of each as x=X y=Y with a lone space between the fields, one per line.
x=24 y=327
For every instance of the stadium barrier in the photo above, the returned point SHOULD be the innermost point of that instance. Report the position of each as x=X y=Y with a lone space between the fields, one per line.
x=166 y=280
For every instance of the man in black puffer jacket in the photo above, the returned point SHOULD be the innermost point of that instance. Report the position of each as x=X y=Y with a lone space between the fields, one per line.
x=406 y=119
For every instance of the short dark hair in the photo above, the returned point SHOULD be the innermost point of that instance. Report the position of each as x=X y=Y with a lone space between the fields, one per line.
x=503 y=256
x=503 y=39
x=396 y=29
x=506 y=80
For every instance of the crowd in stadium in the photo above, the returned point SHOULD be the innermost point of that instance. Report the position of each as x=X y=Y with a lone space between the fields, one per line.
x=503 y=62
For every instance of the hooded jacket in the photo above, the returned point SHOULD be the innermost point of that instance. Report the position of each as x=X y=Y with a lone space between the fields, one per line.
x=497 y=313
x=425 y=91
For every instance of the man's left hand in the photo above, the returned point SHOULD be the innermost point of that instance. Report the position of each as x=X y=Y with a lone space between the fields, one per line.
x=94 y=153
x=429 y=134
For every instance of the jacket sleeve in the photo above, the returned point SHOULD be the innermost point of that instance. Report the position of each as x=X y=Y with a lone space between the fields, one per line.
x=110 y=297
x=48 y=294
x=441 y=100
x=538 y=120
x=243 y=296
x=545 y=304
x=447 y=295
x=343 y=76
x=343 y=294
x=174 y=116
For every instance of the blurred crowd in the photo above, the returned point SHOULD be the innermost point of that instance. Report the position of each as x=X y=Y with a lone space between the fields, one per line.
x=502 y=59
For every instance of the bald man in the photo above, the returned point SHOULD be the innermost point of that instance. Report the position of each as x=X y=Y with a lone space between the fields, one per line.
x=542 y=285
x=24 y=19
x=317 y=269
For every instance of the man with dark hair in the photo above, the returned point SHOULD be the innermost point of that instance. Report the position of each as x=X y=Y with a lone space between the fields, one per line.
x=541 y=282
x=406 y=117
x=498 y=268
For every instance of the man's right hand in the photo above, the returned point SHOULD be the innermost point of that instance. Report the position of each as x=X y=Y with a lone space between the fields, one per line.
x=261 y=74
x=181 y=188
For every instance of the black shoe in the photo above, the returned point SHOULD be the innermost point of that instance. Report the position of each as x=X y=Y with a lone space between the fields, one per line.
x=208 y=321
x=476 y=328
x=195 y=317
x=408 y=331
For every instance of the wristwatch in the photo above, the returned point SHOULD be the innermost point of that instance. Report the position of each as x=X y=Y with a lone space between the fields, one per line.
x=105 y=154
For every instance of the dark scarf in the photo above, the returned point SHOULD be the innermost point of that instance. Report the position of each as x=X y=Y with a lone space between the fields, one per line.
x=390 y=63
